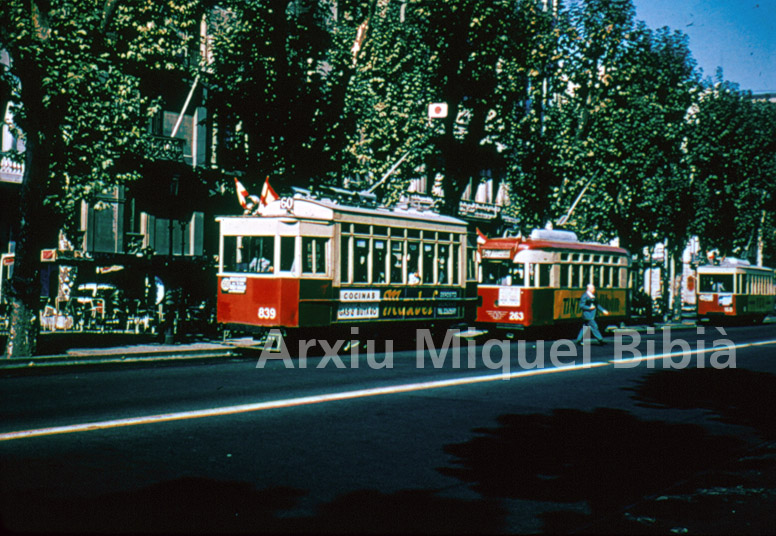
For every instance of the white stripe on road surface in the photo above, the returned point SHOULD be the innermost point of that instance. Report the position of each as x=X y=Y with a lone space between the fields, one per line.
x=261 y=406
x=684 y=353
x=348 y=395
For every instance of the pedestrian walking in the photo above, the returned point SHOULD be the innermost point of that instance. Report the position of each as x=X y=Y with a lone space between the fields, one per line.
x=590 y=307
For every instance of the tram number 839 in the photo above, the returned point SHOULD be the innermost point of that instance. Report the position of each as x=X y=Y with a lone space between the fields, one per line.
x=267 y=313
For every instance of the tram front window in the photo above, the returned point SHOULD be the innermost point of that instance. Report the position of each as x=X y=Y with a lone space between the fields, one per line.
x=715 y=282
x=503 y=273
x=249 y=254
x=261 y=252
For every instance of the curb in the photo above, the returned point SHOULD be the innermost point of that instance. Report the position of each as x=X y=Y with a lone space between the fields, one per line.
x=109 y=356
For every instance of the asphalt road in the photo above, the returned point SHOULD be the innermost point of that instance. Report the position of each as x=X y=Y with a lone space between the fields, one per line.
x=593 y=445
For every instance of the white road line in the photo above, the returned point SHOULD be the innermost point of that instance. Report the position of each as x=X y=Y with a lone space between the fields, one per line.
x=348 y=395
x=261 y=406
x=698 y=351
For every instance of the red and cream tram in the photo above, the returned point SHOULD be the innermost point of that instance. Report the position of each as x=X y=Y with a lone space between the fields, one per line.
x=315 y=266
x=538 y=281
x=735 y=291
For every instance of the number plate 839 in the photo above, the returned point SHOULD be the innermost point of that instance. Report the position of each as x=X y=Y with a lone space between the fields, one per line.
x=268 y=313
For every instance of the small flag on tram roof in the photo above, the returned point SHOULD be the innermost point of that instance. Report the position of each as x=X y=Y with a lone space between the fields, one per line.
x=481 y=238
x=268 y=194
x=242 y=193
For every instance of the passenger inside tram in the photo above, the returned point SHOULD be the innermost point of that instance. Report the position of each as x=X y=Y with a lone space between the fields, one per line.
x=260 y=265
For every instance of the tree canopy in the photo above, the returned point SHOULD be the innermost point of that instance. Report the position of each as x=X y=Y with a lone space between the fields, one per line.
x=73 y=78
x=572 y=105
x=574 y=101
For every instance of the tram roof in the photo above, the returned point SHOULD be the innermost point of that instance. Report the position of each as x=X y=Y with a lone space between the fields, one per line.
x=327 y=210
x=516 y=244
x=727 y=268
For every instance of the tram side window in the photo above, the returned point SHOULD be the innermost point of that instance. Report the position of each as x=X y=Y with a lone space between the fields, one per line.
x=314 y=252
x=413 y=264
x=287 y=253
x=378 y=261
x=345 y=258
x=544 y=275
x=397 y=261
x=428 y=263
x=564 y=275
x=444 y=261
x=361 y=254
x=456 y=264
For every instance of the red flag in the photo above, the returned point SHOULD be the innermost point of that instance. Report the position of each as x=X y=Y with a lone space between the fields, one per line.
x=481 y=238
x=268 y=194
x=242 y=193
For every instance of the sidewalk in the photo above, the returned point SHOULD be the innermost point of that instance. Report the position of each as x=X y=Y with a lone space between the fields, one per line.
x=68 y=349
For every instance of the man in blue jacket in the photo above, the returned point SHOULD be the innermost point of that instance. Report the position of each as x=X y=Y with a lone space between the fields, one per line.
x=589 y=306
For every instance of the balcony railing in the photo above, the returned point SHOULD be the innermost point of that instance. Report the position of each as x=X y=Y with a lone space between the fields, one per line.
x=165 y=148
x=11 y=171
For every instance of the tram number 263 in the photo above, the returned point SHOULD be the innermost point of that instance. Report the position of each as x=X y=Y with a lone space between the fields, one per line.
x=517 y=315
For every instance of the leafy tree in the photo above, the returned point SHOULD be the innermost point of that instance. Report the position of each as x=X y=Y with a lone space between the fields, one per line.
x=622 y=127
x=732 y=154
x=273 y=89
x=388 y=91
x=486 y=60
x=74 y=79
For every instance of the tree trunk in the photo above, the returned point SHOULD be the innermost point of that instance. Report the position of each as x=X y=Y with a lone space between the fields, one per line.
x=35 y=222
x=25 y=283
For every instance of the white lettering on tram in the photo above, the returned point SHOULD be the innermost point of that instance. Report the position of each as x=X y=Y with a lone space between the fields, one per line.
x=267 y=313
x=360 y=295
x=345 y=312
x=233 y=285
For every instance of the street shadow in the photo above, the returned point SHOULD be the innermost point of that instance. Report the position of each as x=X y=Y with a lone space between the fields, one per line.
x=407 y=512
x=606 y=459
x=204 y=506
x=736 y=396
x=184 y=505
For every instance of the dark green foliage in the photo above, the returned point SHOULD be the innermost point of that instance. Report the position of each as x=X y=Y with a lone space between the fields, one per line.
x=732 y=154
